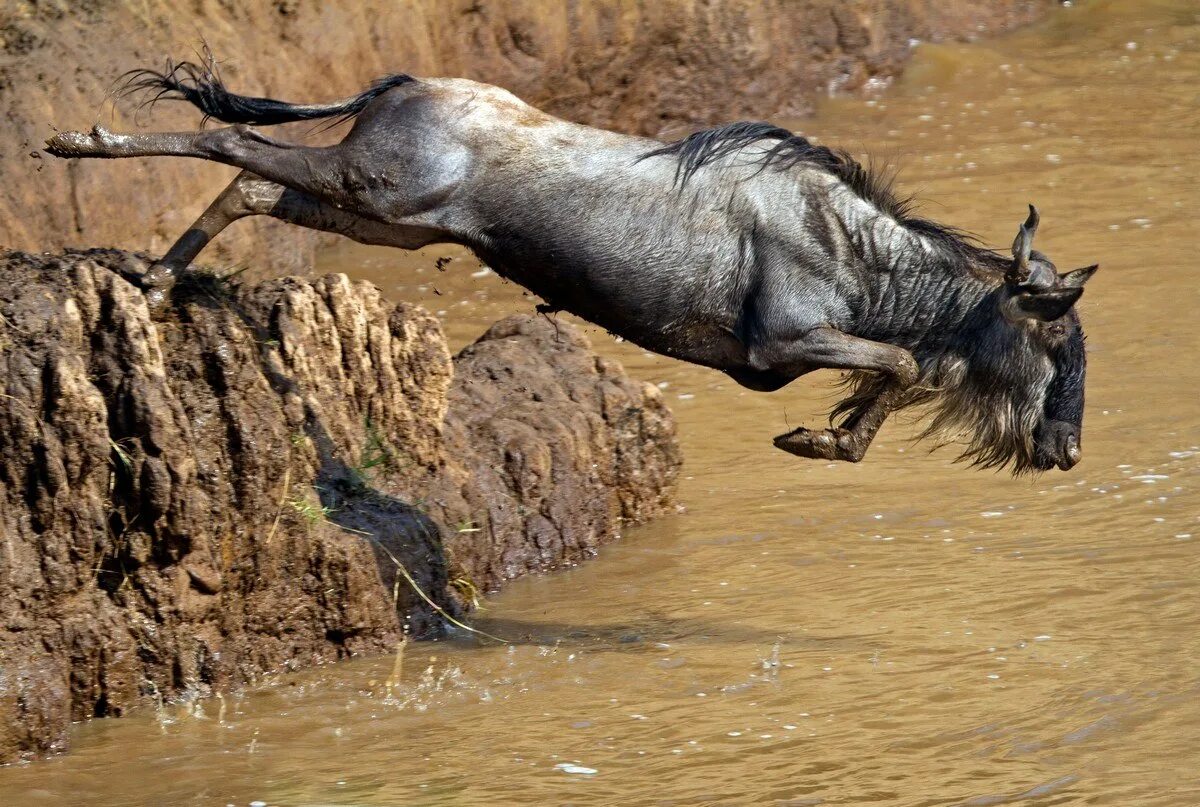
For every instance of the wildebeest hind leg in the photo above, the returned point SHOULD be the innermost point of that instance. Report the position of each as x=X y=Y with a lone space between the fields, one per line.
x=316 y=170
x=246 y=195
x=251 y=195
x=831 y=349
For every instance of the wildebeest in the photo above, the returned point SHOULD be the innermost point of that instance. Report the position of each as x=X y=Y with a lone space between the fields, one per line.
x=744 y=248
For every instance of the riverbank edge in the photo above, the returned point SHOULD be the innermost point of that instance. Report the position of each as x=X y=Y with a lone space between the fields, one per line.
x=268 y=477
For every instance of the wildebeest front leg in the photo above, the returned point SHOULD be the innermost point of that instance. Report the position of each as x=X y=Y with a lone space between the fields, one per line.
x=827 y=348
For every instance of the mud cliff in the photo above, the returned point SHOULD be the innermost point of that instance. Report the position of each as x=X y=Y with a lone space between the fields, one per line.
x=648 y=66
x=190 y=500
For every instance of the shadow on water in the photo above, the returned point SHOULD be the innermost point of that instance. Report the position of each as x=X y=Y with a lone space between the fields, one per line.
x=654 y=630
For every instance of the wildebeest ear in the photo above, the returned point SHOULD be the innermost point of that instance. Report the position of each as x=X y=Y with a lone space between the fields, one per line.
x=1046 y=306
x=1076 y=279
x=1021 y=247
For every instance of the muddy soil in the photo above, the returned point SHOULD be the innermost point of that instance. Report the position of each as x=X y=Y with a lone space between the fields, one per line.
x=191 y=500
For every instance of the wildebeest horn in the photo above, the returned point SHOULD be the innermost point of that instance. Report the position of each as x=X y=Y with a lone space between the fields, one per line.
x=1022 y=244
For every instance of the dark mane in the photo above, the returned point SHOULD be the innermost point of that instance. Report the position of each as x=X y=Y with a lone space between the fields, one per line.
x=869 y=183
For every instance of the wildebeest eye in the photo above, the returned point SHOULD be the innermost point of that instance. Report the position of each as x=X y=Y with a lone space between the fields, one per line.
x=1057 y=330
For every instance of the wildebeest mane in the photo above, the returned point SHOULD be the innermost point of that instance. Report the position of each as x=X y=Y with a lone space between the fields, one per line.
x=871 y=183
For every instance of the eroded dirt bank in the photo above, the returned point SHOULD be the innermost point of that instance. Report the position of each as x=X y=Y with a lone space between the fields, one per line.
x=189 y=501
x=650 y=66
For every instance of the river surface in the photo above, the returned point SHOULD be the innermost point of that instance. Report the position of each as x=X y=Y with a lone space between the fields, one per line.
x=906 y=631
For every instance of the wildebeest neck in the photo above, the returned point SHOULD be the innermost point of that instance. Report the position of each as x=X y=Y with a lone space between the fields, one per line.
x=917 y=284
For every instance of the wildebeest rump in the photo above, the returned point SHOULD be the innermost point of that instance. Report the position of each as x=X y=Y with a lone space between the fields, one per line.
x=744 y=248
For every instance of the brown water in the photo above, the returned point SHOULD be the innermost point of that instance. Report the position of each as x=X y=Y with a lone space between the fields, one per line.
x=903 y=632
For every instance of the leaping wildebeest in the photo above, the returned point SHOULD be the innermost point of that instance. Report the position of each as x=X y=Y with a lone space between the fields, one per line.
x=744 y=248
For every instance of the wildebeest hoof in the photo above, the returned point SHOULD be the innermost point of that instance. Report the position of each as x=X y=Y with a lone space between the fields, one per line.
x=96 y=143
x=157 y=282
x=160 y=276
x=158 y=300
x=146 y=278
x=826 y=444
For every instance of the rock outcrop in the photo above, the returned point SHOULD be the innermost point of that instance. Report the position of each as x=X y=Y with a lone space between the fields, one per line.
x=190 y=500
x=646 y=66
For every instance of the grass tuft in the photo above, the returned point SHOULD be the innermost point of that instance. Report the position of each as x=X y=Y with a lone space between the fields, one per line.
x=312 y=514
x=121 y=455
x=466 y=587
x=210 y=284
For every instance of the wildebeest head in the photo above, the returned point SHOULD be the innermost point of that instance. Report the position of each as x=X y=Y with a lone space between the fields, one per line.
x=1009 y=378
x=1041 y=302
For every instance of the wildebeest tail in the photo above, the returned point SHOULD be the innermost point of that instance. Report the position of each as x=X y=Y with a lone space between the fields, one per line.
x=201 y=86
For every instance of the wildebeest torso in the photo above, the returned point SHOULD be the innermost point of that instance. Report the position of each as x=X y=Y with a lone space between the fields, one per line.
x=585 y=220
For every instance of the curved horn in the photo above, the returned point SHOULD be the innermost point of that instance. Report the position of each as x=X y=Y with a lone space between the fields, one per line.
x=1022 y=244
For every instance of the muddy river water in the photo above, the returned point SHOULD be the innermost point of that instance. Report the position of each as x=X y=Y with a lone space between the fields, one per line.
x=903 y=632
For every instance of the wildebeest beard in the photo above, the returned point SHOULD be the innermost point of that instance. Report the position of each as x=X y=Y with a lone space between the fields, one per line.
x=985 y=386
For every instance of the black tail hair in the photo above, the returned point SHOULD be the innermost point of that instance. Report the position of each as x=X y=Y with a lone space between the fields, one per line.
x=201 y=85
